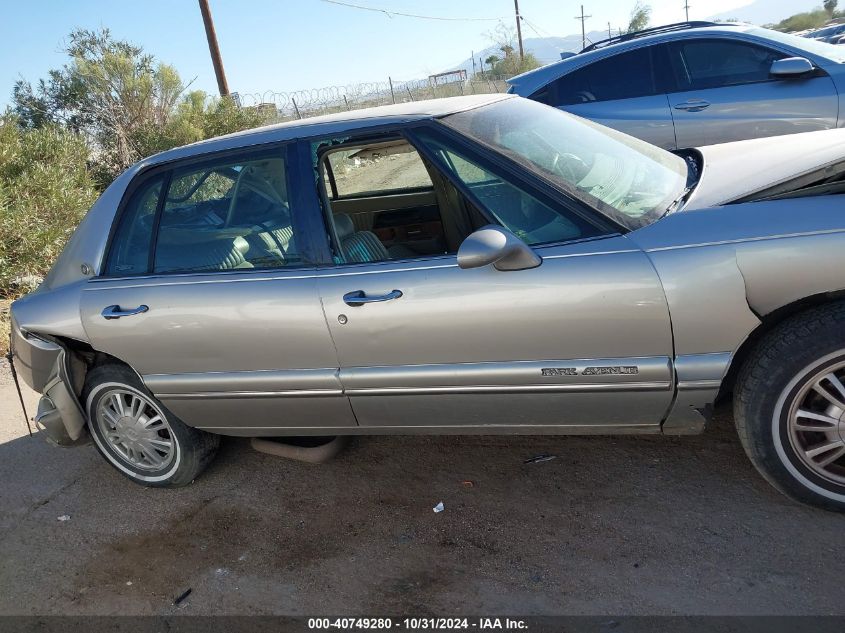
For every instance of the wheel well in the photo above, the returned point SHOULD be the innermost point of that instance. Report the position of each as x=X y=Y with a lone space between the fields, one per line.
x=84 y=358
x=768 y=323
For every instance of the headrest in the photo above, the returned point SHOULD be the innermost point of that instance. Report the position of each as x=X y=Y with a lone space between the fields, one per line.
x=343 y=225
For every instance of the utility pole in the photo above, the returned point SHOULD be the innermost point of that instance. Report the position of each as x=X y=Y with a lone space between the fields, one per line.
x=686 y=8
x=583 y=19
x=609 y=34
x=518 y=29
x=472 y=57
x=214 y=49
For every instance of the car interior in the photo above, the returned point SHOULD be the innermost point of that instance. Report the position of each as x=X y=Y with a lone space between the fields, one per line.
x=227 y=217
x=388 y=202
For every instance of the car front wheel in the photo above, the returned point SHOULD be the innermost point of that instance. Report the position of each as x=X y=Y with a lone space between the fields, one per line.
x=789 y=407
x=137 y=435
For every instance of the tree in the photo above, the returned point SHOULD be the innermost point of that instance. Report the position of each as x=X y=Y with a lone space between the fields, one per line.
x=640 y=16
x=45 y=189
x=108 y=90
x=504 y=39
x=830 y=7
x=124 y=103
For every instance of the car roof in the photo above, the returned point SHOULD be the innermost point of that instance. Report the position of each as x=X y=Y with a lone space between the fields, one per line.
x=541 y=76
x=327 y=124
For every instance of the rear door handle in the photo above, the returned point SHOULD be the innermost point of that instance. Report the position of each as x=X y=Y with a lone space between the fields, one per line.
x=359 y=298
x=114 y=312
x=693 y=105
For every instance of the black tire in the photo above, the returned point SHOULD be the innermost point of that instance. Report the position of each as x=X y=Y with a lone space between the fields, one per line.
x=191 y=449
x=776 y=379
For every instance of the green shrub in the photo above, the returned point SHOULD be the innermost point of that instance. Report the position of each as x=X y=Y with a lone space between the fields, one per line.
x=45 y=189
x=803 y=21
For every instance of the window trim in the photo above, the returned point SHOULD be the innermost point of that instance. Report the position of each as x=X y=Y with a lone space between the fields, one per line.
x=283 y=149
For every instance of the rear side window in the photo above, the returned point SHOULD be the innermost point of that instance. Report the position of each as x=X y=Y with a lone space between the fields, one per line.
x=130 y=251
x=702 y=64
x=624 y=76
x=222 y=215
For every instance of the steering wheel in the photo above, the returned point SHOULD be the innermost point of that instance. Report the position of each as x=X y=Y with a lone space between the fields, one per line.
x=585 y=96
x=570 y=166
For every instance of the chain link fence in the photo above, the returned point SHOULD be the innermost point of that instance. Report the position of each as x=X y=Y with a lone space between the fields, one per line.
x=286 y=106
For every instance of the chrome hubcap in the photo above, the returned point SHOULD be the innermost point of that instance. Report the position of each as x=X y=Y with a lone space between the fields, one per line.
x=817 y=423
x=135 y=429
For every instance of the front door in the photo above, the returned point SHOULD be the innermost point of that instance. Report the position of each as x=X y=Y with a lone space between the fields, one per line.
x=206 y=292
x=582 y=342
x=724 y=92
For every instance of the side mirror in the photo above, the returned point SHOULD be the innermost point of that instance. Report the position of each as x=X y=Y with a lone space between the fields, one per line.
x=791 y=67
x=496 y=245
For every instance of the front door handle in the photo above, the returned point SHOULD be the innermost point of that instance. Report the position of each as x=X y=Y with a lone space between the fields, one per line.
x=114 y=312
x=358 y=298
x=693 y=105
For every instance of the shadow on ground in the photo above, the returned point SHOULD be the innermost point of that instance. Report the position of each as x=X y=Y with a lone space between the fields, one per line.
x=613 y=525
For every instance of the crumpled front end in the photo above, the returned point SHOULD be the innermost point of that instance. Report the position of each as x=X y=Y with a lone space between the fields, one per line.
x=43 y=365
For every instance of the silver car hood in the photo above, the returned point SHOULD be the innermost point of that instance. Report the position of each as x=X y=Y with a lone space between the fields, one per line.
x=736 y=170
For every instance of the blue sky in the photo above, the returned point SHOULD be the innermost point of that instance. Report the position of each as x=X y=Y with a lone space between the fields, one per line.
x=286 y=45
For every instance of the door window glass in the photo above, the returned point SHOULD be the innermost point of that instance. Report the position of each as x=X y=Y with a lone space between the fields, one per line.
x=130 y=250
x=511 y=206
x=227 y=215
x=702 y=64
x=623 y=76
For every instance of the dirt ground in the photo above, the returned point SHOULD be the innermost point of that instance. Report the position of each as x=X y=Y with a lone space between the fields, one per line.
x=613 y=525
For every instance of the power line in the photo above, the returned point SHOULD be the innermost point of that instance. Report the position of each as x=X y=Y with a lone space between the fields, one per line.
x=533 y=26
x=390 y=13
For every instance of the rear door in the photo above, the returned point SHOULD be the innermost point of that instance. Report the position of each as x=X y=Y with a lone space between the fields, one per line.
x=209 y=294
x=624 y=92
x=724 y=92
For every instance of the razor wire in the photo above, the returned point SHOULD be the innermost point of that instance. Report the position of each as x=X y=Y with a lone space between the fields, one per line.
x=300 y=104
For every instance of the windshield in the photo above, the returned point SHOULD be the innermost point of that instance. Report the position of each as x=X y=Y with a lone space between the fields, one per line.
x=628 y=180
x=814 y=47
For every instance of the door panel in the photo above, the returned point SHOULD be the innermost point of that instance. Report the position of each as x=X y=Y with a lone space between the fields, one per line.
x=769 y=108
x=225 y=351
x=647 y=118
x=723 y=91
x=410 y=219
x=469 y=347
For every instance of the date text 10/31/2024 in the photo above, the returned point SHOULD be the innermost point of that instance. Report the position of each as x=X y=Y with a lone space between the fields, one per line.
x=414 y=624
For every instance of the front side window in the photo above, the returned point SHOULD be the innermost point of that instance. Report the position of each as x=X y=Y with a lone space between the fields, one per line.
x=228 y=214
x=629 y=180
x=703 y=64
x=623 y=76
x=383 y=201
x=533 y=221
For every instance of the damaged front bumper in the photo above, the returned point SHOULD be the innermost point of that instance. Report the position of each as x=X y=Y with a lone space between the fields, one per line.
x=44 y=366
